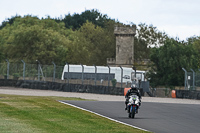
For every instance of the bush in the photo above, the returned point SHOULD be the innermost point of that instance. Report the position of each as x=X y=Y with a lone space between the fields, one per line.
x=114 y=82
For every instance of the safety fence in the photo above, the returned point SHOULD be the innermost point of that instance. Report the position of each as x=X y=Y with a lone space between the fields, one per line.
x=53 y=73
x=192 y=79
x=24 y=71
x=49 y=77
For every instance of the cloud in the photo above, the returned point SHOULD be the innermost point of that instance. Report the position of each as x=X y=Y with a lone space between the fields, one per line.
x=176 y=17
x=181 y=31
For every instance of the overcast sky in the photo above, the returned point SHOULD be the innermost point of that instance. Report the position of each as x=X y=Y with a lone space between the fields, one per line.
x=178 y=18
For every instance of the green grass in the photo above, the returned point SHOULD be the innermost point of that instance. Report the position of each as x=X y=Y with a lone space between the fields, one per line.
x=30 y=114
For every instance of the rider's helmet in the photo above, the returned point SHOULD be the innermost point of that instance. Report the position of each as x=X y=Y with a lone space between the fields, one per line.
x=134 y=87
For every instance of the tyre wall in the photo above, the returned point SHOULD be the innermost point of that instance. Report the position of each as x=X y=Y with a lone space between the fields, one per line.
x=45 y=85
x=187 y=94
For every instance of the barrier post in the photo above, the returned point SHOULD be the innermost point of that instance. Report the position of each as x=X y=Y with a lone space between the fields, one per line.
x=82 y=72
x=8 y=66
x=108 y=76
x=193 y=74
x=95 y=82
x=38 y=69
x=185 y=82
x=121 y=76
x=68 y=73
x=24 y=68
x=54 y=71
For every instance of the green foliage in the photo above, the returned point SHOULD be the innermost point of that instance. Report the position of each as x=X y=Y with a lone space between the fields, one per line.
x=9 y=21
x=75 y=21
x=114 y=82
x=195 y=41
x=92 y=45
x=90 y=42
x=16 y=74
x=147 y=36
x=32 y=39
x=168 y=61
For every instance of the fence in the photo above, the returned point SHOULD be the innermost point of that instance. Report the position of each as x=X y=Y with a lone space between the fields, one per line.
x=192 y=79
x=25 y=71
x=53 y=73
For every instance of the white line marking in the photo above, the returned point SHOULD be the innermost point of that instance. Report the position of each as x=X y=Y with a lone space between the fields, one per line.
x=103 y=116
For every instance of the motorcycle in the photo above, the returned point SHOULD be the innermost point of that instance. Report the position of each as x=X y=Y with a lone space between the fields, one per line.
x=133 y=106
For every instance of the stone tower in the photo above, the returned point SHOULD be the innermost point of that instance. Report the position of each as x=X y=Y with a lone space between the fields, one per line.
x=124 y=46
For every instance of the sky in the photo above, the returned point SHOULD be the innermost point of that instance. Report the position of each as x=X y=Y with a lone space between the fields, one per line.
x=177 y=18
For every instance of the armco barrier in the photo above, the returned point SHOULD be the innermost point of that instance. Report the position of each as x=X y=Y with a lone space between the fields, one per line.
x=46 y=85
x=188 y=94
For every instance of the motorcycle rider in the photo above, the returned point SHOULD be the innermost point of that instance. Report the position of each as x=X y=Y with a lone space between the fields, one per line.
x=133 y=91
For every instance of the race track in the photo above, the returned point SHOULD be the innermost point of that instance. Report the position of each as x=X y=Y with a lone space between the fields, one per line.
x=154 y=117
x=160 y=115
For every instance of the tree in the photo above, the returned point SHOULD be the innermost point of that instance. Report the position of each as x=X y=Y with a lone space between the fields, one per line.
x=193 y=39
x=147 y=36
x=168 y=61
x=92 y=45
x=9 y=21
x=75 y=21
x=32 y=39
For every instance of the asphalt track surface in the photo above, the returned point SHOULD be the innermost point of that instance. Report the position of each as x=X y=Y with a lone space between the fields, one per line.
x=154 y=117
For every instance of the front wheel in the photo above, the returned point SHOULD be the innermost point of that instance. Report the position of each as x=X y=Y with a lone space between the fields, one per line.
x=132 y=112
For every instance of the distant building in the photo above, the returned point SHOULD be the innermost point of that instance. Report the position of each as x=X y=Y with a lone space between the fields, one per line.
x=124 y=46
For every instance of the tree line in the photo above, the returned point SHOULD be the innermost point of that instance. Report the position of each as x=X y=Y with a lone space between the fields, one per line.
x=72 y=39
x=88 y=38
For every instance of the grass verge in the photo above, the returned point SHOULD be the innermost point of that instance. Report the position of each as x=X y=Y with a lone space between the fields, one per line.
x=31 y=114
